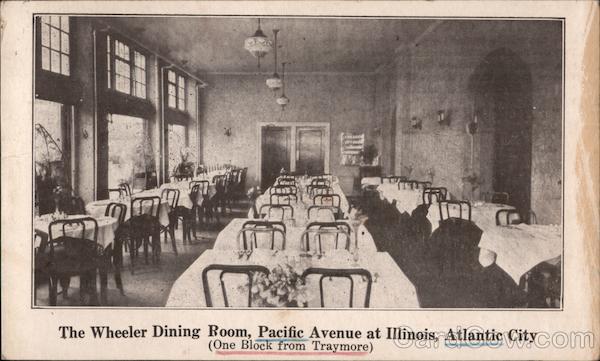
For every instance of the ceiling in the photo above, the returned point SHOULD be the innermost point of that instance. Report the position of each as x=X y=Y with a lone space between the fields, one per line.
x=215 y=44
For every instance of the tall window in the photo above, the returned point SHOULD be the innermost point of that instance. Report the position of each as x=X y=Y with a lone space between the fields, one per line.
x=130 y=154
x=55 y=44
x=177 y=144
x=126 y=68
x=176 y=90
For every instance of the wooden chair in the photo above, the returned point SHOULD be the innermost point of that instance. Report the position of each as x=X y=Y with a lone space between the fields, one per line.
x=143 y=226
x=282 y=208
x=247 y=270
x=440 y=194
x=510 y=217
x=73 y=253
x=283 y=198
x=320 y=211
x=342 y=226
x=327 y=200
x=345 y=274
x=446 y=204
x=118 y=211
x=405 y=184
x=171 y=196
x=126 y=189
x=251 y=242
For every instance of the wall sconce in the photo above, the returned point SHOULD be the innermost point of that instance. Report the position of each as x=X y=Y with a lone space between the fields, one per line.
x=442 y=119
x=227 y=132
x=85 y=134
x=416 y=123
x=473 y=125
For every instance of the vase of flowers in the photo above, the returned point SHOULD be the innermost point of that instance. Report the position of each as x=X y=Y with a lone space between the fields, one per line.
x=185 y=168
x=283 y=287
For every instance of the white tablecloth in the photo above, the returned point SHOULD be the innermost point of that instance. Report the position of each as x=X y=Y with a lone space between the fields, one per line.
x=97 y=208
x=406 y=199
x=390 y=288
x=482 y=214
x=106 y=228
x=184 y=190
x=370 y=181
x=227 y=238
x=518 y=248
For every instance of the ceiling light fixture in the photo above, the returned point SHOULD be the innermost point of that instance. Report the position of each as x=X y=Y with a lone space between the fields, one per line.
x=274 y=82
x=258 y=44
x=283 y=100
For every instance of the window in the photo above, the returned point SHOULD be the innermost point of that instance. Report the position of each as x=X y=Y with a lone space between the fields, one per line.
x=177 y=144
x=176 y=90
x=130 y=154
x=126 y=68
x=55 y=47
x=51 y=151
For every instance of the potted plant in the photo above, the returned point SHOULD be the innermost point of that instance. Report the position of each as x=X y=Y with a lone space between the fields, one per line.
x=370 y=155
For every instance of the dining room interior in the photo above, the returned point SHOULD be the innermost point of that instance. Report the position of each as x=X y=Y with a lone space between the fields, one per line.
x=302 y=162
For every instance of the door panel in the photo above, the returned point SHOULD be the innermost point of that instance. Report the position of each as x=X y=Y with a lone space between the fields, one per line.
x=310 y=150
x=275 y=154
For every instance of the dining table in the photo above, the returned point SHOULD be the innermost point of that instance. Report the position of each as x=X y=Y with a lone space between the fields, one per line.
x=227 y=238
x=97 y=208
x=105 y=233
x=390 y=286
x=518 y=248
x=406 y=199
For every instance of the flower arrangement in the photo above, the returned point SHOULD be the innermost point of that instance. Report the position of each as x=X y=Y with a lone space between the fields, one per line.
x=185 y=168
x=283 y=287
x=369 y=154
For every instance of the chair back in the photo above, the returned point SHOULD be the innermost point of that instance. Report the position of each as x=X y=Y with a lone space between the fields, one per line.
x=220 y=182
x=348 y=274
x=286 y=181
x=75 y=233
x=320 y=181
x=392 y=179
x=248 y=270
x=496 y=197
x=247 y=237
x=273 y=211
x=332 y=226
x=445 y=204
x=440 y=194
x=126 y=188
x=204 y=186
x=120 y=192
x=513 y=216
x=171 y=195
x=283 y=198
x=323 y=213
x=283 y=189
x=145 y=206
x=405 y=184
x=327 y=200
x=116 y=210
x=313 y=190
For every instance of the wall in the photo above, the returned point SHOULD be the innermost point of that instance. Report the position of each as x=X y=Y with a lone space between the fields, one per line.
x=434 y=75
x=239 y=102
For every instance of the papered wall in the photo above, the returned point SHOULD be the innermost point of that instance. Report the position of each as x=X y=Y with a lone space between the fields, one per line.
x=434 y=75
x=240 y=102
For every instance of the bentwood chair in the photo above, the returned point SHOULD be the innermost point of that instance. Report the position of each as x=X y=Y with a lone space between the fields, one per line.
x=222 y=196
x=445 y=204
x=496 y=197
x=276 y=211
x=283 y=189
x=248 y=270
x=126 y=188
x=513 y=216
x=144 y=225
x=171 y=196
x=349 y=274
x=392 y=179
x=327 y=200
x=115 y=251
x=248 y=237
x=73 y=250
x=405 y=184
x=343 y=227
x=313 y=190
x=323 y=213
x=439 y=193
x=283 y=198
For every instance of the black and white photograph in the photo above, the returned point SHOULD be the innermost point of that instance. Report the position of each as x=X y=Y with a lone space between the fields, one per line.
x=297 y=162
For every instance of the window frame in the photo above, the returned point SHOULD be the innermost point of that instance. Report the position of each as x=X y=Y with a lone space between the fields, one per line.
x=110 y=68
x=39 y=46
x=178 y=76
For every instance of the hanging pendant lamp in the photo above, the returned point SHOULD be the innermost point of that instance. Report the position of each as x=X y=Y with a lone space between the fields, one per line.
x=258 y=45
x=274 y=82
x=283 y=100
